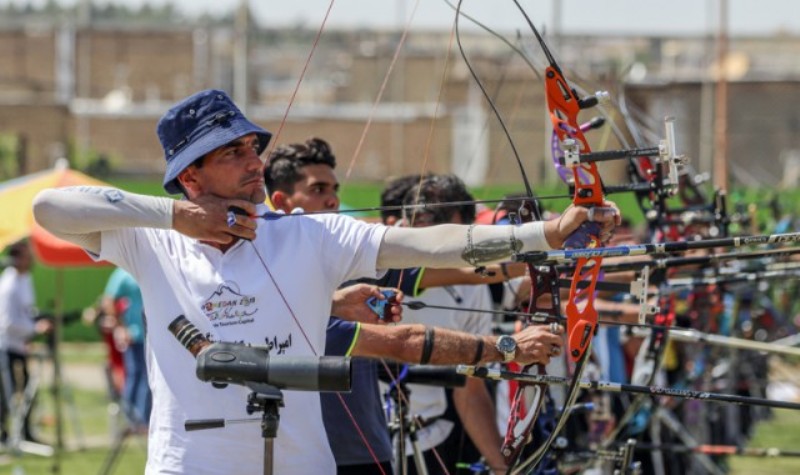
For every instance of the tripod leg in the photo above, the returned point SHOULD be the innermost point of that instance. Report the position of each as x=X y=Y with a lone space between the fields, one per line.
x=23 y=414
x=7 y=396
x=674 y=425
x=18 y=407
x=113 y=454
x=419 y=459
x=269 y=455
x=400 y=465
x=74 y=418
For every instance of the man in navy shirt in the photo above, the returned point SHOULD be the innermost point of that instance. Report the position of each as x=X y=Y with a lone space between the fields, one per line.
x=301 y=177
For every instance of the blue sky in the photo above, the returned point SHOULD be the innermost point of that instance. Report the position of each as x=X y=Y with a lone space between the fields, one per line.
x=760 y=17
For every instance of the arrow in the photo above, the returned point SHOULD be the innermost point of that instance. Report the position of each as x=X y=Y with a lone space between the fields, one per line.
x=563 y=255
x=691 y=335
x=670 y=262
x=605 y=386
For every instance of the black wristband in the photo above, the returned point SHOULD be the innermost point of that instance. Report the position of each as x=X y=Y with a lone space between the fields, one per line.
x=427 y=346
x=504 y=270
x=478 y=351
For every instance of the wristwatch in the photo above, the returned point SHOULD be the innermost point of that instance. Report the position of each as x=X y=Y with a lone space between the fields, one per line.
x=507 y=346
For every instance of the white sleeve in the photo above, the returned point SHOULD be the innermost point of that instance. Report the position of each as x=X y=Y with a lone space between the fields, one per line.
x=456 y=245
x=350 y=247
x=79 y=214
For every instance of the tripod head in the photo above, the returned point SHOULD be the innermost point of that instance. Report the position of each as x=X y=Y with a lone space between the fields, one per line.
x=238 y=363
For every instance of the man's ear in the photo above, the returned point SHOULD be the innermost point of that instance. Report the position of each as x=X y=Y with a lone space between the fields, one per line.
x=189 y=181
x=281 y=201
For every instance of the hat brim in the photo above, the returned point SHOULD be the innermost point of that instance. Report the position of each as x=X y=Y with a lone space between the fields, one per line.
x=221 y=135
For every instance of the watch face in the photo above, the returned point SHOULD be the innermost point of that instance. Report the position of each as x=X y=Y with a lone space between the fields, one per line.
x=506 y=344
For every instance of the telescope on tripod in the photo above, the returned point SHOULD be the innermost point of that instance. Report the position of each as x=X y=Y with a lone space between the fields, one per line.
x=223 y=363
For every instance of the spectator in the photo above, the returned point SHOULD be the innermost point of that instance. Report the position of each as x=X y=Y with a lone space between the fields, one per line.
x=122 y=303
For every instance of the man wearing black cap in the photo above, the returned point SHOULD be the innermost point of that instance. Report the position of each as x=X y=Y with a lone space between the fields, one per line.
x=267 y=282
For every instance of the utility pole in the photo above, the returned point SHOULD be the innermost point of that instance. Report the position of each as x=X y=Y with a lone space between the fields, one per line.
x=240 y=59
x=548 y=172
x=721 y=99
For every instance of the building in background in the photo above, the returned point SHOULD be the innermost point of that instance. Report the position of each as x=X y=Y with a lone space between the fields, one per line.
x=85 y=85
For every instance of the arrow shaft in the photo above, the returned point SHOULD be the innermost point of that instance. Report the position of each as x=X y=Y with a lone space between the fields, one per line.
x=606 y=386
x=548 y=257
x=694 y=336
x=722 y=450
x=685 y=261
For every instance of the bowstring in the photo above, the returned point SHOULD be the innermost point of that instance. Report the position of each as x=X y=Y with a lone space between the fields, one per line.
x=274 y=141
x=381 y=90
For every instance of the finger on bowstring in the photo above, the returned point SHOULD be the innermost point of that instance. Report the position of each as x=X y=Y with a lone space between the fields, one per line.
x=240 y=226
x=234 y=220
x=245 y=208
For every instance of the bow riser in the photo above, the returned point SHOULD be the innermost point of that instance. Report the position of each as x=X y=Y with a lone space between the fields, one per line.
x=564 y=106
x=581 y=313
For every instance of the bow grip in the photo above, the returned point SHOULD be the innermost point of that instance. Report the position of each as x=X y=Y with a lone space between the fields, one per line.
x=586 y=234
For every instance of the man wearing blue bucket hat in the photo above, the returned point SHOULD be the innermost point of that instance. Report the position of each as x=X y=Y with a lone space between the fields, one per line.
x=199 y=125
x=241 y=278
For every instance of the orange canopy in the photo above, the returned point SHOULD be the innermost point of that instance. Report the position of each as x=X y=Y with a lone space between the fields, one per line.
x=16 y=215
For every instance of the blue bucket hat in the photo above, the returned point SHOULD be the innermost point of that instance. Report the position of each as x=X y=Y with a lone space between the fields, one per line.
x=196 y=126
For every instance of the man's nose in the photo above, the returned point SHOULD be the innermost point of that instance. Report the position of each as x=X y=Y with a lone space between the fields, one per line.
x=254 y=160
x=332 y=202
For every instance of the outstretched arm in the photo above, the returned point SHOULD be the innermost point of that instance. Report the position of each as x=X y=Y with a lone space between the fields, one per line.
x=535 y=344
x=467 y=275
x=455 y=245
x=79 y=214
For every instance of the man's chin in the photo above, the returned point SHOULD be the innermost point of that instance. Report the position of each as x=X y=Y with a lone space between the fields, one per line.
x=257 y=197
x=252 y=193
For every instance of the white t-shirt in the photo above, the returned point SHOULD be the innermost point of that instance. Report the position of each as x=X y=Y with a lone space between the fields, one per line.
x=430 y=402
x=233 y=298
x=17 y=309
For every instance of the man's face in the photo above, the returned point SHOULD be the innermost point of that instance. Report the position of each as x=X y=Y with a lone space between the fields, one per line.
x=424 y=219
x=234 y=170
x=24 y=261
x=317 y=190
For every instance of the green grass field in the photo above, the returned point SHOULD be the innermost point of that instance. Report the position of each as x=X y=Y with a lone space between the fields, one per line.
x=782 y=432
x=87 y=423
